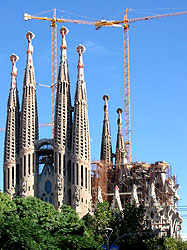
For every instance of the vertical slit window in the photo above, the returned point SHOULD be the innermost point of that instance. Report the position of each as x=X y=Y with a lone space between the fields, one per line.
x=77 y=174
x=69 y=194
x=82 y=175
x=64 y=165
x=73 y=180
x=69 y=171
x=60 y=88
x=33 y=159
x=86 y=177
x=17 y=174
x=88 y=180
x=21 y=167
x=24 y=171
x=64 y=88
x=29 y=164
x=59 y=163
x=55 y=162
x=8 y=178
x=13 y=176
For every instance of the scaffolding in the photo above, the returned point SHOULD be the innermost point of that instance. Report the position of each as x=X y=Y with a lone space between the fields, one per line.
x=106 y=176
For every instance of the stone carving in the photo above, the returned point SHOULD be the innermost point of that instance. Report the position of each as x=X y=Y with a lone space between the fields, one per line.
x=76 y=197
x=59 y=185
x=24 y=187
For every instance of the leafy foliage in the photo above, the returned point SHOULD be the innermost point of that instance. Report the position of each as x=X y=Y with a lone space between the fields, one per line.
x=29 y=223
x=126 y=223
x=130 y=220
x=99 y=221
x=166 y=244
x=173 y=244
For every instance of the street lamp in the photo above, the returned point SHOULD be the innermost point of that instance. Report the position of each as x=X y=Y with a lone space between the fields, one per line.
x=108 y=233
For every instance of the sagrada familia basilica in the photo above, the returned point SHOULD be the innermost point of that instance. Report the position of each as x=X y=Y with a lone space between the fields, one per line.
x=60 y=171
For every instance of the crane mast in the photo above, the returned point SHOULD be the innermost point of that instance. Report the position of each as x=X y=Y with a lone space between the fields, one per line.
x=124 y=24
x=53 y=68
x=127 y=88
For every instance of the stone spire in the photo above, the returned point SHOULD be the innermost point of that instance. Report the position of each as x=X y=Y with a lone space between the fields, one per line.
x=11 y=148
x=81 y=169
x=116 y=199
x=134 y=195
x=106 y=146
x=63 y=109
x=81 y=139
x=120 y=148
x=29 y=126
x=62 y=128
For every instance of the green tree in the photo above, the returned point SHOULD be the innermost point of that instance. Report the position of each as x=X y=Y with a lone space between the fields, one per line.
x=130 y=220
x=163 y=243
x=29 y=223
x=173 y=244
x=97 y=223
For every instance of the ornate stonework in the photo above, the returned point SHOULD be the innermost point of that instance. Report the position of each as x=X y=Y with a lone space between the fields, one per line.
x=76 y=196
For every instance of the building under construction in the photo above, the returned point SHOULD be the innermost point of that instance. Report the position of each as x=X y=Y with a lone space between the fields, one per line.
x=118 y=181
x=58 y=170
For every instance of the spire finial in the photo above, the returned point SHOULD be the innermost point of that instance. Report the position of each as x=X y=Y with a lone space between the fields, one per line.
x=106 y=98
x=63 y=31
x=29 y=37
x=80 y=49
x=119 y=111
x=13 y=58
x=120 y=147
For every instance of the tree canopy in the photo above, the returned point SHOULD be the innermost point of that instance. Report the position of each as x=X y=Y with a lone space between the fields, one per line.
x=131 y=220
x=29 y=223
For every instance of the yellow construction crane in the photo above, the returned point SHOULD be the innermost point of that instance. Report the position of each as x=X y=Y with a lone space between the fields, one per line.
x=124 y=24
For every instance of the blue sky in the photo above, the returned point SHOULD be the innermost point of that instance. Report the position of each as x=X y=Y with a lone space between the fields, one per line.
x=158 y=52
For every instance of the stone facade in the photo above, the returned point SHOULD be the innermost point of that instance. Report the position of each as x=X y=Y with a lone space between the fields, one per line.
x=56 y=170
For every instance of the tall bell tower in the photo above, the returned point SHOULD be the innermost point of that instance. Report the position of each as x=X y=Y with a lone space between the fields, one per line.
x=81 y=165
x=28 y=128
x=11 y=147
x=62 y=130
x=106 y=146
